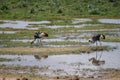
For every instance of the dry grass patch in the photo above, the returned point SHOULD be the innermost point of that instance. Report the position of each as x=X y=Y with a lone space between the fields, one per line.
x=24 y=50
x=48 y=51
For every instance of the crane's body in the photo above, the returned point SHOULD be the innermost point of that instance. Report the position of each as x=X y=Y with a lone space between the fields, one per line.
x=94 y=39
x=97 y=37
x=39 y=35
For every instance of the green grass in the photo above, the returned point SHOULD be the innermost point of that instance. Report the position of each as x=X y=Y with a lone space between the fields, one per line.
x=58 y=9
x=16 y=36
x=7 y=43
x=14 y=44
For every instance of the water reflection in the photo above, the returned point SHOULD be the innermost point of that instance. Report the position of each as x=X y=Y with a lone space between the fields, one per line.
x=97 y=62
x=37 y=57
x=58 y=61
x=66 y=64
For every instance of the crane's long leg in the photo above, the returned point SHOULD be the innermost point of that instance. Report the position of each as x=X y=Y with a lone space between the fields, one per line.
x=40 y=42
x=96 y=50
x=100 y=43
x=96 y=44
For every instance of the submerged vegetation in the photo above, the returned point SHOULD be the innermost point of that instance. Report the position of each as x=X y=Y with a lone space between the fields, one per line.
x=5 y=59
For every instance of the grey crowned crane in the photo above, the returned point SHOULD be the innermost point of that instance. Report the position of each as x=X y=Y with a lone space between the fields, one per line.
x=97 y=37
x=38 y=36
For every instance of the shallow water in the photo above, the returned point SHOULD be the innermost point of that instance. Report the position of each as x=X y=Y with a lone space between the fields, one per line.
x=8 y=32
x=80 y=20
x=20 y=24
x=113 y=21
x=24 y=24
x=46 y=41
x=68 y=64
x=75 y=26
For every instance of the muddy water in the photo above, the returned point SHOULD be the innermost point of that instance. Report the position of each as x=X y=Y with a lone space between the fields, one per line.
x=75 y=26
x=20 y=24
x=46 y=42
x=68 y=64
x=80 y=20
x=51 y=40
x=24 y=24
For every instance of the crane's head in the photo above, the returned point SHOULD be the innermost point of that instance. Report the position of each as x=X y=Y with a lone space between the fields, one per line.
x=91 y=40
x=43 y=34
x=97 y=37
x=102 y=36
